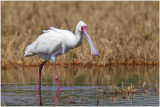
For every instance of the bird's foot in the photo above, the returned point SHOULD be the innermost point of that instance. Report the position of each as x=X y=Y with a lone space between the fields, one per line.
x=38 y=87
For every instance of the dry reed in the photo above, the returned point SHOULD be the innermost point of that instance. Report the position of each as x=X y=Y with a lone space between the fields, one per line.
x=123 y=32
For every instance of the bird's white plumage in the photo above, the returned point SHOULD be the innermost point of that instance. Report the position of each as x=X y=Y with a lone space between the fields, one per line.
x=48 y=43
x=55 y=42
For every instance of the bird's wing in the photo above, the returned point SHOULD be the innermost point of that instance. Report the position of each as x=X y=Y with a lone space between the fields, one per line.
x=61 y=31
x=51 y=29
x=48 y=43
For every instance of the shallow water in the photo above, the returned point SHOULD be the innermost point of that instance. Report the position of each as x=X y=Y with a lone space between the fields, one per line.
x=78 y=86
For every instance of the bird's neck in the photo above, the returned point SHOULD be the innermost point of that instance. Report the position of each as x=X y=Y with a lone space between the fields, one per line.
x=78 y=37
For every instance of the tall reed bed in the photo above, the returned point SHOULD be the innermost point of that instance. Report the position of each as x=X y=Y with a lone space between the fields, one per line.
x=123 y=32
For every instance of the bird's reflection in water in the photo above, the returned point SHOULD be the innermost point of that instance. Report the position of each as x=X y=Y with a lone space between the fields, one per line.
x=56 y=98
x=40 y=97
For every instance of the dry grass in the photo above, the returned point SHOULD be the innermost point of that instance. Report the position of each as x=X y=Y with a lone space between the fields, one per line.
x=123 y=32
x=128 y=92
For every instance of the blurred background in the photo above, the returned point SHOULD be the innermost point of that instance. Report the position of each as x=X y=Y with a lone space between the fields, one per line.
x=123 y=32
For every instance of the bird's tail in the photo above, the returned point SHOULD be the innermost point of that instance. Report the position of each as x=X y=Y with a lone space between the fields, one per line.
x=29 y=51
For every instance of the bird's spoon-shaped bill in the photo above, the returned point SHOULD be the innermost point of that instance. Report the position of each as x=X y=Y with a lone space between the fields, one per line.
x=93 y=49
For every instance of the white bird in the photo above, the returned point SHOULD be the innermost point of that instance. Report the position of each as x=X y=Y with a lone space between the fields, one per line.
x=56 y=42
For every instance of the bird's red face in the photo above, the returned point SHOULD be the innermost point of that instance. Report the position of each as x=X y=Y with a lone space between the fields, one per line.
x=93 y=49
x=82 y=28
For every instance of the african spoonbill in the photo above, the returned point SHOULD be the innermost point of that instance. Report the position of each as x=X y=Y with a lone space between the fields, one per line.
x=56 y=42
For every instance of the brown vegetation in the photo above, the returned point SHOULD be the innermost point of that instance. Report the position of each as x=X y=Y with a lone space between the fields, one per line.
x=123 y=32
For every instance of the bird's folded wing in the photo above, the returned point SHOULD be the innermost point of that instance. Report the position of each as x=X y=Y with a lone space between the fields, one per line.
x=51 y=29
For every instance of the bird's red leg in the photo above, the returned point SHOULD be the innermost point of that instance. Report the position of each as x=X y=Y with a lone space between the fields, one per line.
x=55 y=76
x=40 y=69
